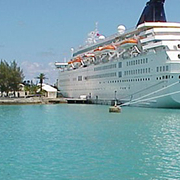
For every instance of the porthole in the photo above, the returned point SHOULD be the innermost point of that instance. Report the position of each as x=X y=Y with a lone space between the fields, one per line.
x=178 y=45
x=179 y=56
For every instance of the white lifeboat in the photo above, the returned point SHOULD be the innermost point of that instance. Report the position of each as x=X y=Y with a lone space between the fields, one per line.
x=91 y=55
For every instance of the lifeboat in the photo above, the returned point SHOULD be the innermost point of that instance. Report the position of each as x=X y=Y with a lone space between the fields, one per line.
x=88 y=58
x=128 y=43
x=107 y=48
x=91 y=55
x=75 y=62
x=98 y=51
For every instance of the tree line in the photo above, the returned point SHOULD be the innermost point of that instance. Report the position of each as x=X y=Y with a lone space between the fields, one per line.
x=11 y=76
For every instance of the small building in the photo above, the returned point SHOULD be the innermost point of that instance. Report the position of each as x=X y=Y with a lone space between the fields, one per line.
x=50 y=91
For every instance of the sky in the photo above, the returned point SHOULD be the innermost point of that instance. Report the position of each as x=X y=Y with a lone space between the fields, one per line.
x=38 y=33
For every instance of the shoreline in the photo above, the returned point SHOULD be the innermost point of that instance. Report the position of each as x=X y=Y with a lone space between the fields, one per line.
x=31 y=100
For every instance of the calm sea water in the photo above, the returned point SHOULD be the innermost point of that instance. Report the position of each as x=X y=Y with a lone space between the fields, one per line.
x=77 y=142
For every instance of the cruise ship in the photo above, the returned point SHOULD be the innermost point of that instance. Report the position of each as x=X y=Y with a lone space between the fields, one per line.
x=139 y=67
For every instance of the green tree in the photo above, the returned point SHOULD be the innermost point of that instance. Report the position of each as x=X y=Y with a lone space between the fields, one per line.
x=41 y=78
x=16 y=76
x=4 y=68
x=10 y=76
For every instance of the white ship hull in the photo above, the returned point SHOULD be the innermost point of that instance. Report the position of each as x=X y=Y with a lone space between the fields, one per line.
x=137 y=89
x=145 y=74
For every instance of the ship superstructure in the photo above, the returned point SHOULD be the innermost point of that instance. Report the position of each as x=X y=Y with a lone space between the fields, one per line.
x=139 y=67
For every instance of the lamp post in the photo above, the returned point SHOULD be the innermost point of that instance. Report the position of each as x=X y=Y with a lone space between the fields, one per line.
x=115 y=102
x=115 y=95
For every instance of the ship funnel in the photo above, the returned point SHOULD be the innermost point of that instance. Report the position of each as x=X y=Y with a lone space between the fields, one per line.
x=153 y=12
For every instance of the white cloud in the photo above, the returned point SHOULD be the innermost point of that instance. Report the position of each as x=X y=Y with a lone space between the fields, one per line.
x=33 y=69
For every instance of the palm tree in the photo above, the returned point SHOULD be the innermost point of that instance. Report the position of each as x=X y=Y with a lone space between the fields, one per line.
x=41 y=78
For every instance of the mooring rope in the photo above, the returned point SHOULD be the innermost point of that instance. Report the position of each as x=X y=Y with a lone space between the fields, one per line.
x=156 y=97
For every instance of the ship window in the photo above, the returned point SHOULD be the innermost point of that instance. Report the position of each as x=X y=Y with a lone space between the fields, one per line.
x=120 y=74
x=179 y=56
x=79 y=78
x=167 y=68
x=163 y=68
x=157 y=69
x=120 y=64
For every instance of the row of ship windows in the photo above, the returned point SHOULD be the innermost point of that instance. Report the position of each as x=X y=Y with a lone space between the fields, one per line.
x=137 y=71
x=162 y=68
x=119 y=81
x=137 y=61
x=129 y=63
x=127 y=80
x=126 y=73
x=164 y=77
x=101 y=76
x=111 y=66
x=64 y=80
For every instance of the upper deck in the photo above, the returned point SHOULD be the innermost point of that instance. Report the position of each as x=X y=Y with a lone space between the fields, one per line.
x=168 y=30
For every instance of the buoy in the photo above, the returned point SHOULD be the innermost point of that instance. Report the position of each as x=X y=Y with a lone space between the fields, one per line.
x=115 y=108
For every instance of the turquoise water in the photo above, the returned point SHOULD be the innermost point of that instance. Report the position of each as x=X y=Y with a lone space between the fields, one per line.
x=77 y=142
